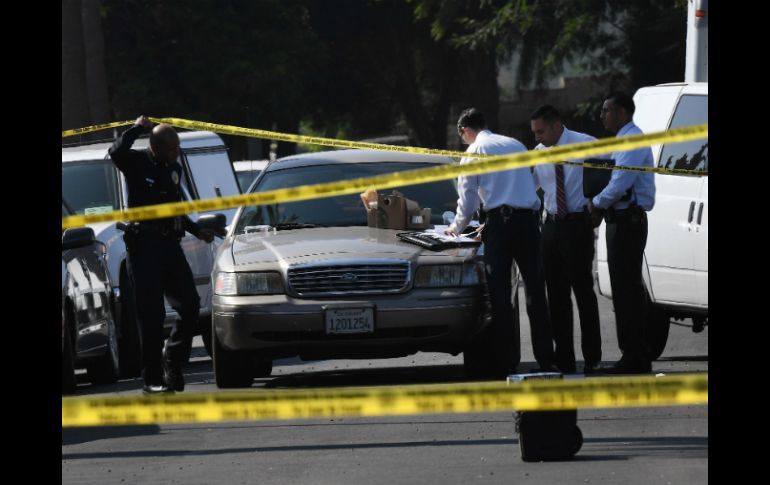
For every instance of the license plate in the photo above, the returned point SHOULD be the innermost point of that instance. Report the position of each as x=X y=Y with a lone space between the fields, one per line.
x=349 y=320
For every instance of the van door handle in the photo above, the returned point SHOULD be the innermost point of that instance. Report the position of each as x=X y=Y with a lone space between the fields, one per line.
x=692 y=211
x=700 y=212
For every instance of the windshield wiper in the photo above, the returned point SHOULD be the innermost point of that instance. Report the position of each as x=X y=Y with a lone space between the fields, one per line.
x=294 y=225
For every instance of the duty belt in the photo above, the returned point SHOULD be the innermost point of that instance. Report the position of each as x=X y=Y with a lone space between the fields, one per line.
x=506 y=211
x=632 y=214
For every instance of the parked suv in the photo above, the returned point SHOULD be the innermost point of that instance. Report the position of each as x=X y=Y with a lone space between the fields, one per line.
x=676 y=257
x=91 y=184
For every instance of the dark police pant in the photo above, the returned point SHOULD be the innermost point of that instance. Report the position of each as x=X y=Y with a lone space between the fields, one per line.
x=157 y=266
x=568 y=256
x=516 y=236
x=626 y=239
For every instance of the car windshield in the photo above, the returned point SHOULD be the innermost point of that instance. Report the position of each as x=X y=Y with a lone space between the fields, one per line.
x=344 y=210
x=90 y=187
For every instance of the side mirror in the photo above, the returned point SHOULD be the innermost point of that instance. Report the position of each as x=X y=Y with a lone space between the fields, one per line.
x=214 y=222
x=77 y=237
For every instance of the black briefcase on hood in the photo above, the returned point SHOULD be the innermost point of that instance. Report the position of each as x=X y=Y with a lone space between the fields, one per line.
x=596 y=179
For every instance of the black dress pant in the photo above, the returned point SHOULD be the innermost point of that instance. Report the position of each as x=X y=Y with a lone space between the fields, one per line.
x=626 y=240
x=508 y=238
x=568 y=255
x=157 y=266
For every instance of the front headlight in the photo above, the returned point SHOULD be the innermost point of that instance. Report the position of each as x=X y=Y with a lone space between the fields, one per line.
x=447 y=275
x=262 y=283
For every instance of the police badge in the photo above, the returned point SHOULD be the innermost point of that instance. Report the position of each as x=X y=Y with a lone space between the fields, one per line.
x=175 y=178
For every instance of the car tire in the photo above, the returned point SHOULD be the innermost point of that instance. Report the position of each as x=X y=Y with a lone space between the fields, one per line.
x=106 y=370
x=129 y=348
x=232 y=369
x=263 y=367
x=481 y=359
x=68 y=382
x=658 y=325
x=205 y=331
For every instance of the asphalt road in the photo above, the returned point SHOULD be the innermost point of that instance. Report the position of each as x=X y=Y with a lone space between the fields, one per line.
x=637 y=445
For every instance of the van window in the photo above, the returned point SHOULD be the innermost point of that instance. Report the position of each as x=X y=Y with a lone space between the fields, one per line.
x=213 y=174
x=90 y=187
x=689 y=155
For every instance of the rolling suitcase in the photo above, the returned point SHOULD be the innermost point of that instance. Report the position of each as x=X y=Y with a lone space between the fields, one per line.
x=546 y=435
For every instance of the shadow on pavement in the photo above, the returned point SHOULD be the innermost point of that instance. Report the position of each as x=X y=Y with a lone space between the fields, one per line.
x=626 y=447
x=73 y=436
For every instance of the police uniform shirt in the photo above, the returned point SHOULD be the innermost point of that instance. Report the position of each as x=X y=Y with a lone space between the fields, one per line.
x=545 y=176
x=642 y=183
x=149 y=182
x=515 y=188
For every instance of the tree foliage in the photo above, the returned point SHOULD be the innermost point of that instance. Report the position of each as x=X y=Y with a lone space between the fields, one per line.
x=642 y=40
x=360 y=68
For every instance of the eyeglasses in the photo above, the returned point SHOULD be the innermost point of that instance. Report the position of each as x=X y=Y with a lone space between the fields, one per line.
x=460 y=130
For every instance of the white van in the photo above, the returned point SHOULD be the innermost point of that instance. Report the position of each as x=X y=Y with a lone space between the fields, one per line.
x=675 y=264
x=91 y=184
x=247 y=171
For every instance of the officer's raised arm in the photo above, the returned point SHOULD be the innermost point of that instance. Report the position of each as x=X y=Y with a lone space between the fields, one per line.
x=120 y=151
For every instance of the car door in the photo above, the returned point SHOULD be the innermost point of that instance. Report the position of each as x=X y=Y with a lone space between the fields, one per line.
x=674 y=231
x=701 y=246
x=211 y=175
x=199 y=257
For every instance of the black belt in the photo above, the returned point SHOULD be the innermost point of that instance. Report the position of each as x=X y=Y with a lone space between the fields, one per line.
x=506 y=210
x=162 y=230
x=632 y=214
x=572 y=216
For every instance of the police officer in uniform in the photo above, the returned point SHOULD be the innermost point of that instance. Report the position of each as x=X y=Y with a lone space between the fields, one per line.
x=156 y=263
x=626 y=218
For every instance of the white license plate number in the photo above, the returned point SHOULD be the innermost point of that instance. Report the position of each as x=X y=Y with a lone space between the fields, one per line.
x=349 y=320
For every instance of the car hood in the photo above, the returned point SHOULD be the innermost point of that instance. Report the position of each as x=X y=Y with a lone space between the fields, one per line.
x=328 y=244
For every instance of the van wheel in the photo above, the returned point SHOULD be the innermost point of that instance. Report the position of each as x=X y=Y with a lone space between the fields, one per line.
x=68 y=383
x=658 y=325
x=129 y=348
x=106 y=370
x=231 y=368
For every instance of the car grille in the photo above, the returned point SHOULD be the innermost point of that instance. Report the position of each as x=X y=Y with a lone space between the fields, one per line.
x=355 y=279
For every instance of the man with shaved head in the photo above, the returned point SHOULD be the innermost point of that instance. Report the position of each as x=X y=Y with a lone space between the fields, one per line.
x=156 y=263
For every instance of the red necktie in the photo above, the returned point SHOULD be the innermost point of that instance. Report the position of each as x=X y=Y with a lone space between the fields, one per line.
x=561 y=197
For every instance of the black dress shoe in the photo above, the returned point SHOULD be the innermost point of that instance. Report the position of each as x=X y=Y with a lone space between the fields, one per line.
x=592 y=368
x=172 y=375
x=150 y=389
x=628 y=366
x=547 y=368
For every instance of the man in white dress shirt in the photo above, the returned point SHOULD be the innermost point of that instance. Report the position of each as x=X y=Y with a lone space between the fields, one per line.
x=510 y=233
x=624 y=204
x=567 y=244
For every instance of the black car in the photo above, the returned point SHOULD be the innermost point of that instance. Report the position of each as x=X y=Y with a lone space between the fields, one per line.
x=89 y=335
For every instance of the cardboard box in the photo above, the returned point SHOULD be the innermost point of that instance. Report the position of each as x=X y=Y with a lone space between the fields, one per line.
x=418 y=218
x=391 y=211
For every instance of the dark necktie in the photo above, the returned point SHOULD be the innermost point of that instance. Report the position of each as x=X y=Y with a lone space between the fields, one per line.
x=561 y=197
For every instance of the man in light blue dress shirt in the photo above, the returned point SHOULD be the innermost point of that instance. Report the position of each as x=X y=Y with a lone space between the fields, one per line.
x=626 y=219
x=510 y=233
x=568 y=245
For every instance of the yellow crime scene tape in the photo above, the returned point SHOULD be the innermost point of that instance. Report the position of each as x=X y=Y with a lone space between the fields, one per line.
x=396 y=179
x=530 y=395
x=332 y=142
